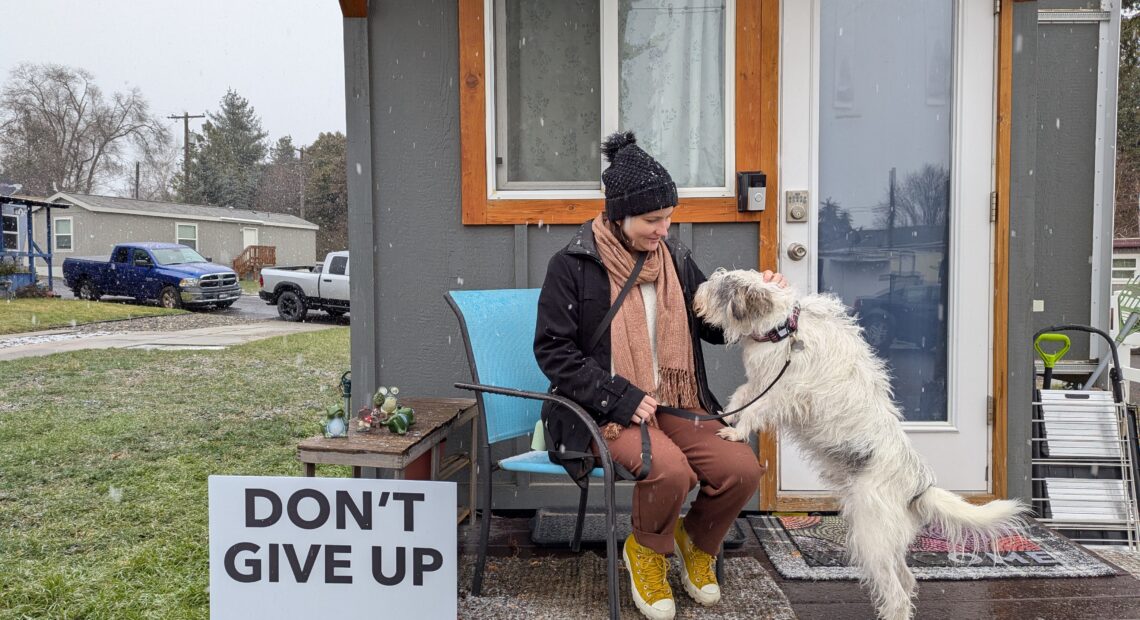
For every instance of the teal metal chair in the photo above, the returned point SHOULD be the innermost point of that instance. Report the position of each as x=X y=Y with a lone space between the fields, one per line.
x=498 y=330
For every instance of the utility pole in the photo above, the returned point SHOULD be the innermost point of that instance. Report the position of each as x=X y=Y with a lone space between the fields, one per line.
x=302 y=160
x=136 y=180
x=185 y=118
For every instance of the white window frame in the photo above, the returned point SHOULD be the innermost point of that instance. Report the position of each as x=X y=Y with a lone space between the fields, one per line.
x=1132 y=270
x=610 y=107
x=16 y=233
x=178 y=239
x=55 y=234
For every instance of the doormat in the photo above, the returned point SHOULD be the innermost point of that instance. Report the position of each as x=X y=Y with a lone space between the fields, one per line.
x=574 y=588
x=812 y=547
x=551 y=526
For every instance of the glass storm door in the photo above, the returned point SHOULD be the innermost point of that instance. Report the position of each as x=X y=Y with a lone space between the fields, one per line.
x=886 y=154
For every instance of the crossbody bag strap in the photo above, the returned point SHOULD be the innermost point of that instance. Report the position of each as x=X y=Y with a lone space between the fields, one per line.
x=617 y=302
x=646 y=452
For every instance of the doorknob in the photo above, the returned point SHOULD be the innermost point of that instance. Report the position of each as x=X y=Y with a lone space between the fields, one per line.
x=797 y=251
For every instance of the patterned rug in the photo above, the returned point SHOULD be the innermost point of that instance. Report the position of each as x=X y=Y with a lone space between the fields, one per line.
x=574 y=588
x=812 y=547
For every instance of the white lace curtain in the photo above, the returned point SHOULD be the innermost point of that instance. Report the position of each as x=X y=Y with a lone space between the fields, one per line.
x=671 y=70
x=672 y=84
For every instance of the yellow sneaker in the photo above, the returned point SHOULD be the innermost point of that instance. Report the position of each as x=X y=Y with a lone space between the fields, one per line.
x=647 y=580
x=698 y=569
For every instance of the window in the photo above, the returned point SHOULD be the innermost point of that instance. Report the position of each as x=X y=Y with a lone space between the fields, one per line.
x=139 y=254
x=11 y=233
x=338 y=266
x=561 y=76
x=62 y=229
x=187 y=235
x=1123 y=268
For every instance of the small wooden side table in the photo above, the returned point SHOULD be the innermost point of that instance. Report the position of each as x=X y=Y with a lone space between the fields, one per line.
x=435 y=419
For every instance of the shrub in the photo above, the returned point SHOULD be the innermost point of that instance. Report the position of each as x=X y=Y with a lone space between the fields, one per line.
x=33 y=291
x=9 y=267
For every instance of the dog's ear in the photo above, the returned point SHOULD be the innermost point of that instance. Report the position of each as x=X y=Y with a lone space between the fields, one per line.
x=750 y=302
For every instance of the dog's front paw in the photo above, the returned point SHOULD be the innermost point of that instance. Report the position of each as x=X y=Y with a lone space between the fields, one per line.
x=732 y=434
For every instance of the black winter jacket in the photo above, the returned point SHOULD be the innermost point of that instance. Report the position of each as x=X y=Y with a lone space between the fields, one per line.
x=575 y=298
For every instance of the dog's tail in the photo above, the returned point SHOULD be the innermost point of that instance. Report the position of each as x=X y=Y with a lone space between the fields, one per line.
x=962 y=522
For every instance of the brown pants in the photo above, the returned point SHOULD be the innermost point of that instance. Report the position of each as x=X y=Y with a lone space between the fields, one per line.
x=685 y=452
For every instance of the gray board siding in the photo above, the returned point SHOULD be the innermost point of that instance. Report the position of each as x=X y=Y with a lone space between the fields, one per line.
x=1022 y=242
x=1051 y=202
x=418 y=245
x=95 y=234
x=1064 y=173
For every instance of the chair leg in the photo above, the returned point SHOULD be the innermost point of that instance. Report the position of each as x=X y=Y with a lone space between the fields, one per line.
x=576 y=545
x=720 y=566
x=612 y=551
x=484 y=521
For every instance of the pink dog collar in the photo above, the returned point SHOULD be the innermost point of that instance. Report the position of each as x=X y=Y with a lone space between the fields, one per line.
x=783 y=330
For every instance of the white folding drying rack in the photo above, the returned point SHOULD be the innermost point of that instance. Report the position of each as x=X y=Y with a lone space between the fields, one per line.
x=1082 y=436
x=1084 y=449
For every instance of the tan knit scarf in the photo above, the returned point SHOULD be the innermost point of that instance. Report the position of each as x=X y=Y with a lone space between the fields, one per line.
x=629 y=332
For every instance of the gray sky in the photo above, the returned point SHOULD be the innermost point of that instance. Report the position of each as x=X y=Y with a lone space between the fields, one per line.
x=284 y=56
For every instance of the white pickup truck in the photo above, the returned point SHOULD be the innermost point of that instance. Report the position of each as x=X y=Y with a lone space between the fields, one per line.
x=296 y=290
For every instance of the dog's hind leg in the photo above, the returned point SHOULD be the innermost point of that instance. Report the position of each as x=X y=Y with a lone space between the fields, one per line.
x=877 y=540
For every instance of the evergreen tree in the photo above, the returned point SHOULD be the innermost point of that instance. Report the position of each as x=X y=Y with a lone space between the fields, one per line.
x=283 y=151
x=326 y=191
x=226 y=158
x=279 y=189
x=1127 y=211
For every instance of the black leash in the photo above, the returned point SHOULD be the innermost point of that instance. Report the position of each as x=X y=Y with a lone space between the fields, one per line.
x=689 y=415
x=646 y=449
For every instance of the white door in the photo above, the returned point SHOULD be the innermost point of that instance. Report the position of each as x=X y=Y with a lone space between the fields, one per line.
x=248 y=237
x=887 y=141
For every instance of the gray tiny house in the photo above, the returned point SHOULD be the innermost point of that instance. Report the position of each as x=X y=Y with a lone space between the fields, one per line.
x=945 y=167
x=92 y=225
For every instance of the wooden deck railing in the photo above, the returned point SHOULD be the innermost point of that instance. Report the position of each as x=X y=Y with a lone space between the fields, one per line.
x=253 y=258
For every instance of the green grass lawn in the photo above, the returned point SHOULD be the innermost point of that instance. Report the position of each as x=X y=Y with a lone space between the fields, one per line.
x=250 y=287
x=28 y=315
x=104 y=458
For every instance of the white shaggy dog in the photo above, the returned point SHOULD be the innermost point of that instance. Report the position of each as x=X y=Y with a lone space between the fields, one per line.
x=835 y=399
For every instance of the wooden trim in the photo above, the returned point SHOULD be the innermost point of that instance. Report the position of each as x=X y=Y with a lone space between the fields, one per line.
x=829 y=503
x=578 y=211
x=998 y=464
x=354 y=8
x=758 y=106
x=472 y=113
x=757 y=43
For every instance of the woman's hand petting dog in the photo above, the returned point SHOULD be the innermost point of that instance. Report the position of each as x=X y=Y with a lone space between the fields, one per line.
x=774 y=277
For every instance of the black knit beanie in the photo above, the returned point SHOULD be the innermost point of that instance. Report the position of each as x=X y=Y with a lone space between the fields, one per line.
x=635 y=182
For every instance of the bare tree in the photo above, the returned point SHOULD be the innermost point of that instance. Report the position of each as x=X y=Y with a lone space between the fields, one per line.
x=923 y=199
x=58 y=132
x=158 y=165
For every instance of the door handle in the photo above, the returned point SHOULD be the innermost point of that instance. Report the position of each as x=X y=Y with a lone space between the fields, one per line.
x=327 y=280
x=797 y=251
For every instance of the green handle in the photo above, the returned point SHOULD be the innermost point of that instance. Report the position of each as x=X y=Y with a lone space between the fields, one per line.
x=1051 y=359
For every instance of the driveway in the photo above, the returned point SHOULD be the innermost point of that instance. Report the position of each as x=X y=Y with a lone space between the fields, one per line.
x=247 y=320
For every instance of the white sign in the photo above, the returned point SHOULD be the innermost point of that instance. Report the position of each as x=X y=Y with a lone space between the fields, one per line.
x=331 y=548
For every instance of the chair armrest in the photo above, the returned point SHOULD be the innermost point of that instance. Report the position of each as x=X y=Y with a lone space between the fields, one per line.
x=591 y=425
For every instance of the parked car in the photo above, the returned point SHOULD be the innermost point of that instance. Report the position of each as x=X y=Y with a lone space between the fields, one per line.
x=913 y=314
x=296 y=290
x=173 y=274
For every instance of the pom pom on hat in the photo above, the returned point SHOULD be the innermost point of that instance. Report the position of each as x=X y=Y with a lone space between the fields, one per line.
x=616 y=142
x=635 y=183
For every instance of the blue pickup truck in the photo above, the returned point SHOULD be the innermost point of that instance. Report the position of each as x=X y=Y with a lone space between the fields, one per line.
x=172 y=274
